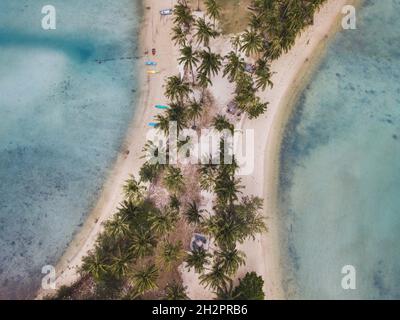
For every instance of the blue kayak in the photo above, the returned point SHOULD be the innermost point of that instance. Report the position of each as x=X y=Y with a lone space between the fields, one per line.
x=151 y=63
x=152 y=124
x=160 y=106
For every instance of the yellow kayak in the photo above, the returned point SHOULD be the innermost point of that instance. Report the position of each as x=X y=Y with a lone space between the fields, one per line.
x=152 y=71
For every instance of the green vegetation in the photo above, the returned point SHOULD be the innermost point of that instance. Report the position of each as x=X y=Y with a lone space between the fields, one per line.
x=204 y=32
x=189 y=59
x=198 y=259
x=220 y=123
x=177 y=89
x=125 y=259
x=170 y=254
x=193 y=213
x=173 y=179
x=250 y=288
x=233 y=15
x=213 y=9
x=145 y=279
x=175 y=291
x=134 y=191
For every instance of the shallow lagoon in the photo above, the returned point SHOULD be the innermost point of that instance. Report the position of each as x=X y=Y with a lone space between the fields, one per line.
x=63 y=117
x=340 y=174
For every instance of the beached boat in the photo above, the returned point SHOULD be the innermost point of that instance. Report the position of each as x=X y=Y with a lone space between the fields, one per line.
x=166 y=12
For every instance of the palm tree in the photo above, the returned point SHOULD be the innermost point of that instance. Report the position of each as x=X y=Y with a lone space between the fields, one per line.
x=173 y=179
x=128 y=210
x=177 y=89
x=236 y=42
x=162 y=223
x=186 y=147
x=274 y=48
x=256 y=22
x=280 y=22
x=210 y=63
x=175 y=291
x=235 y=223
x=231 y=167
x=177 y=113
x=198 y=5
x=150 y=149
x=162 y=124
x=120 y=263
x=118 y=227
x=215 y=278
x=133 y=190
x=188 y=59
x=170 y=254
x=194 y=111
x=179 y=36
x=198 y=259
x=220 y=123
x=203 y=80
x=155 y=154
x=207 y=176
x=213 y=9
x=224 y=227
x=193 y=213
x=183 y=15
x=248 y=213
x=234 y=66
x=149 y=171
x=94 y=264
x=145 y=279
x=204 y=31
x=174 y=203
x=263 y=75
x=227 y=189
x=266 y=12
x=230 y=259
x=245 y=91
x=142 y=243
x=252 y=43
x=226 y=291
x=256 y=108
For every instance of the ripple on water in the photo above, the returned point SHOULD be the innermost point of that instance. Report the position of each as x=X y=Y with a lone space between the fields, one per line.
x=340 y=172
x=63 y=117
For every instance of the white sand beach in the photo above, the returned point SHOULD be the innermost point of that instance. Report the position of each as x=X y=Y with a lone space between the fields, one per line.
x=155 y=33
x=291 y=70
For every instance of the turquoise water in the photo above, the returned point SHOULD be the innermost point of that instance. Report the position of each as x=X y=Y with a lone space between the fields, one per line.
x=63 y=117
x=340 y=176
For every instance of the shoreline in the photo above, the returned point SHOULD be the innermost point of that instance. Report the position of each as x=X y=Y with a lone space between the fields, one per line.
x=294 y=71
x=304 y=77
x=151 y=32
